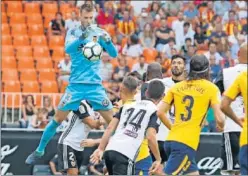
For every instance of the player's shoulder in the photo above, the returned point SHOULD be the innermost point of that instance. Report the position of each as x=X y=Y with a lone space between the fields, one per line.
x=148 y=104
x=242 y=76
x=210 y=85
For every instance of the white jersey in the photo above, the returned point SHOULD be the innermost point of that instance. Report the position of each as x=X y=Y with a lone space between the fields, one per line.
x=229 y=76
x=134 y=118
x=76 y=130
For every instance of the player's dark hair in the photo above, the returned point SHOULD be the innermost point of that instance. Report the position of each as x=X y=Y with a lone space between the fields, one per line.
x=87 y=8
x=135 y=74
x=178 y=56
x=188 y=39
x=186 y=24
x=155 y=90
x=131 y=83
x=212 y=42
x=154 y=70
x=199 y=68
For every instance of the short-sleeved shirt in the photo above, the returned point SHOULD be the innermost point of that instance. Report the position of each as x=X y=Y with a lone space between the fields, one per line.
x=135 y=118
x=55 y=25
x=191 y=100
x=240 y=87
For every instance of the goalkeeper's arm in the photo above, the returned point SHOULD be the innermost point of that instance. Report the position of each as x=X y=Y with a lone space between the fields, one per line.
x=106 y=42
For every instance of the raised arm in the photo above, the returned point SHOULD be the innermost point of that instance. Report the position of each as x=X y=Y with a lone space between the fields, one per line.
x=107 y=44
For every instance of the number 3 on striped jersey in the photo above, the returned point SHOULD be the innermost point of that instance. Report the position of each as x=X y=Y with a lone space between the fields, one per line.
x=190 y=103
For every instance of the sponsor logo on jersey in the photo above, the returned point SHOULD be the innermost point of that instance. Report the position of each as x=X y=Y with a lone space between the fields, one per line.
x=65 y=99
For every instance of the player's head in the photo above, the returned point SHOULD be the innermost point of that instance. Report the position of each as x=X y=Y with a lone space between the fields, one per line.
x=87 y=14
x=128 y=88
x=155 y=90
x=243 y=59
x=154 y=70
x=177 y=65
x=199 y=68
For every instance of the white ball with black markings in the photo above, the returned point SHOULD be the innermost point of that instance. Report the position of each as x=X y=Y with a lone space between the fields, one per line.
x=92 y=51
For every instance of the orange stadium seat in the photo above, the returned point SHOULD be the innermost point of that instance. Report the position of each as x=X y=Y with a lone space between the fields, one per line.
x=4 y=18
x=48 y=19
x=30 y=86
x=64 y=8
x=63 y=87
x=18 y=18
x=34 y=19
x=35 y=29
x=49 y=8
x=5 y=29
x=49 y=87
x=55 y=41
x=47 y=75
x=27 y=63
x=58 y=52
x=114 y=63
x=41 y=52
x=14 y=7
x=7 y=50
x=23 y=51
x=28 y=75
x=110 y=29
x=124 y=42
x=9 y=74
x=170 y=20
x=12 y=86
x=3 y=7
x=44 y=64
x=150 y=54
x=19 y=29
x=39 y=40
x=31 y=8
x=9 y=62
x=6 y=40
x=21 y=40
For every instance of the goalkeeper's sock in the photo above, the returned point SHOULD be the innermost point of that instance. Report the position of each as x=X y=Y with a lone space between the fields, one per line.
x=47 y=135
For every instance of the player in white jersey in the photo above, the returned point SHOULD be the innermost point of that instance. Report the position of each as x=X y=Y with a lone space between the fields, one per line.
x=230 y=145
x=133 y=122
x=80 y=123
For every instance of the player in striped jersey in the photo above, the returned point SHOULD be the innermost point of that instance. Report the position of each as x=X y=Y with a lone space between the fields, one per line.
x=131 y=124
x=70 y=152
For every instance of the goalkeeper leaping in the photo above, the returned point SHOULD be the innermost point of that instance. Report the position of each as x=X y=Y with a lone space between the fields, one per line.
x=85 y=81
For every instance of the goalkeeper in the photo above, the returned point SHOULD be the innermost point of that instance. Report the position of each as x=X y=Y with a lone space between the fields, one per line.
x=85 y=81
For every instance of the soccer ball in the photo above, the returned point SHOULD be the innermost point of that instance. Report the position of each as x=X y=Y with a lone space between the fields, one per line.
x=92 y=51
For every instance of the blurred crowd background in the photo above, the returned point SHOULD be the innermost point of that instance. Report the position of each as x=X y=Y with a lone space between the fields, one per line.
x=35 y=65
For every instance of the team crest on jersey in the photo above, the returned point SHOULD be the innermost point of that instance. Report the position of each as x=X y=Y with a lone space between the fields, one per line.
x=105 y=102
x=73 y=163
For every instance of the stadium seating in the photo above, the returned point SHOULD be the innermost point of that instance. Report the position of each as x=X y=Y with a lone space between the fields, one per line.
x=34 y=19
x=35 y=29
x=6 y=40
x=25 y=63
x=19 y=29
x=4 y=18
x=49 y=87
x=12 y=86
x=48 y=18
x=47 y=75
x=7 y=50
x=9 y=62
x=5 y=29
x=56 y=41
x=28 y=75
x=13 y=100
x=30 y=86
x=41 y=52
x=21 y=40
x=49 y=8
x=18 y=18
x=14 y=7
x=150 y=54
x=24 y=51
x=9 y=74
x=58 y=52
x=32 y=8
x=39 y=40
x=44 y=64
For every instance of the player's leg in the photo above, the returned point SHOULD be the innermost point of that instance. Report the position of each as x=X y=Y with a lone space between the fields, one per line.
x=163 y=156
x=108 y=162
x=67 y=160
x=69 y=101
x=243 y=160
x=142 y=167
x=97 y=97
x=181 y=159
x=234 y=139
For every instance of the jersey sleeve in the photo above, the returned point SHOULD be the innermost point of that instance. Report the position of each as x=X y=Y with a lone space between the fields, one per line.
x=234 y=90
x=215 y=98
x=168 y=97
x=118 y=114
x=82 y=111
x=153 y=123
